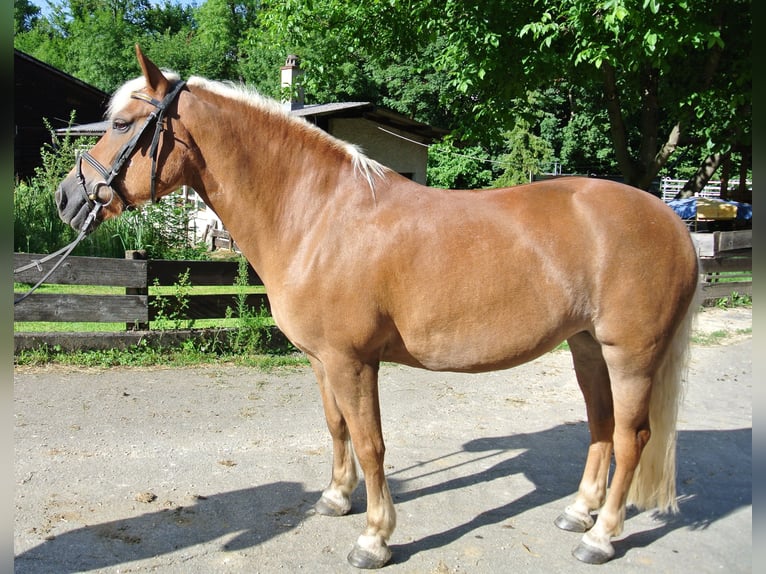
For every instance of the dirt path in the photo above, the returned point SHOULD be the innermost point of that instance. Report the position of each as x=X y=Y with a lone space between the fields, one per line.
x=215 y=469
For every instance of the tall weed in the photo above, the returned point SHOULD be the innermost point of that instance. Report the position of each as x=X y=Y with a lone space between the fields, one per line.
x=253 y=332
x=171 y=311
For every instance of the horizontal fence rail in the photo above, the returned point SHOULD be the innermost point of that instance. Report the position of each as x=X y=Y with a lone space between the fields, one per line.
x=726 y=260
x=137 y=306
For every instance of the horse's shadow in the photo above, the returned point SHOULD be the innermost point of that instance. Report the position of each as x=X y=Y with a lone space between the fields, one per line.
x=241 y=518
x=714 y=474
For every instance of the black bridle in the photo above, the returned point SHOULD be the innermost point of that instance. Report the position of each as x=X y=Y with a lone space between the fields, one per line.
x=108 y=174
x=157 y=115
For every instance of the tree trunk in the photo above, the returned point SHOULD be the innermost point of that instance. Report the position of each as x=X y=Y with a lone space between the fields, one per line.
x=699 y=180
x=616 y=125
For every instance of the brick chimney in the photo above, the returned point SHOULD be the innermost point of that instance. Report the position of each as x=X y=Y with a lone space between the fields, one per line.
x=292 y=87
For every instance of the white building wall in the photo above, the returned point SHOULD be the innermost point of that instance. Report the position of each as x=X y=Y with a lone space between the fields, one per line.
x=399 y=154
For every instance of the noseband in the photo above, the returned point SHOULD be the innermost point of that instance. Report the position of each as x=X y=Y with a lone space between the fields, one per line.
x=108 y=174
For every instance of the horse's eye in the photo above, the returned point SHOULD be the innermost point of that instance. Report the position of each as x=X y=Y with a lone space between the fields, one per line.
x=120 y=125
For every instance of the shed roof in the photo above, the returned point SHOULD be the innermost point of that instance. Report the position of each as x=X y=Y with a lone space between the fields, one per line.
x=310 y=112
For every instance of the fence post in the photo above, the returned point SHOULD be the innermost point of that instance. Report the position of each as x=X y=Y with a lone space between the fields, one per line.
x=139 y=254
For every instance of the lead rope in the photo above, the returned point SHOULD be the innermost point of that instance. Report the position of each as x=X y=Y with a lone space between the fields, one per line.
x=64 y=252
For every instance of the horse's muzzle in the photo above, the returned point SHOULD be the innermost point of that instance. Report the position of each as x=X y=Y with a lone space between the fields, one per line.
x=73 y=204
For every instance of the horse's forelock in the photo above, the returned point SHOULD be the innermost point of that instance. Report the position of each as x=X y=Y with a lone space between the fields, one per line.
x=121 y=97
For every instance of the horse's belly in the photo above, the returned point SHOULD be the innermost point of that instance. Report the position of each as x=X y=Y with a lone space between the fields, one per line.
x=475 y=347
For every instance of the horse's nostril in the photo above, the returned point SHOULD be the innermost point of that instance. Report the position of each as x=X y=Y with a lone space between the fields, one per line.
x=61 y=199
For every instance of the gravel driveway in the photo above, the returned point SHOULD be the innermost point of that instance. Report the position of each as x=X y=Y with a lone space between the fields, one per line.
x=215 y=469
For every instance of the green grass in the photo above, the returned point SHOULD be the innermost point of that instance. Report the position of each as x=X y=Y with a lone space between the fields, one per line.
x=717 y=337
x=144 y=356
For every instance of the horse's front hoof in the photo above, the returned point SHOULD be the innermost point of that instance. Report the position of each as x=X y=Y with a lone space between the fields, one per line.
x=591 y=554
x=327 y=507
x=361 y=558
x=572 y=522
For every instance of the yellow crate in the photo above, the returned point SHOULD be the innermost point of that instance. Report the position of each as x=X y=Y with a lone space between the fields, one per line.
x=710 y=209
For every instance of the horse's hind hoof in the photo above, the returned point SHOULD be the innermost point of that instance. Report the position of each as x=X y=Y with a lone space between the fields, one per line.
x=361 y=558
x=572 y=522
x=591 y=555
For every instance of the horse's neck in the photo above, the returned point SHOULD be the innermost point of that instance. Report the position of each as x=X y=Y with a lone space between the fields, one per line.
x=265 y=177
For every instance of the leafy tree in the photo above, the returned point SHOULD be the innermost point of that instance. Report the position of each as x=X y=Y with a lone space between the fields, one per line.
x=454 y=167
x=614 y=86
x=526 y=155
x=666 y=71
x=25 y=16
x=666 y=74
x=93 y=40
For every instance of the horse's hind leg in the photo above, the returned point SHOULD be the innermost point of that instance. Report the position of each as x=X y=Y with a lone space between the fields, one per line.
x=336 y=498
x=593 y=378
x=631 y=387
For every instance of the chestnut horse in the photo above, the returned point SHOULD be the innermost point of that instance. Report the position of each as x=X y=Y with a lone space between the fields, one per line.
x=362 y=265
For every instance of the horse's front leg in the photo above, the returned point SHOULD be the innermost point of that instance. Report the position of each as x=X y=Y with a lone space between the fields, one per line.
x=336 y=498
x=351 y=388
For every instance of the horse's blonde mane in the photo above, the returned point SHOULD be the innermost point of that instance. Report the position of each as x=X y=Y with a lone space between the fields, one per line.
x=368 y=168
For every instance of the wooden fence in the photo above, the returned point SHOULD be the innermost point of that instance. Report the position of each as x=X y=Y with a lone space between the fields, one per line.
x=723 y=255
x=726 y=258
x=135 y=307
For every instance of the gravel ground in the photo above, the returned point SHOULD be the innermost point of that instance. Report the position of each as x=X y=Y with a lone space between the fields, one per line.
x=216 y=469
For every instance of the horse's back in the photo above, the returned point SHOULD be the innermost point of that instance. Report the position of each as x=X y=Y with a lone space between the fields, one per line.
x=494 y=278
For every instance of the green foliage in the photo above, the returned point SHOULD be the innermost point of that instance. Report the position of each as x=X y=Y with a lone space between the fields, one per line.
x=734 y=300
x=453 y=167
x=37 y=227
x=145 y=355
x=253 y=331
x=162 y=229
x=613 y=81
x=527 y=155
x=25 y=16
x=171 y=310
x=667 y=69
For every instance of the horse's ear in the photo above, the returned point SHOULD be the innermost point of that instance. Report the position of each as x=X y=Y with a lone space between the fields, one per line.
x=155 y=79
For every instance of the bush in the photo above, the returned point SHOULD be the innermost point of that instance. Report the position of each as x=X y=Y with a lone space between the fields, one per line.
x=37 y=227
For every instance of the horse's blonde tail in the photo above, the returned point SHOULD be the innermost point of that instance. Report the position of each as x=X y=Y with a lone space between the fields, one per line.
x=654 y=481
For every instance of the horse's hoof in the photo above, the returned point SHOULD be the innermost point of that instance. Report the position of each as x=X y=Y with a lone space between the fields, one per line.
x=327 y=507
x=573 y=523
x=590 y=554
x=361 y=558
